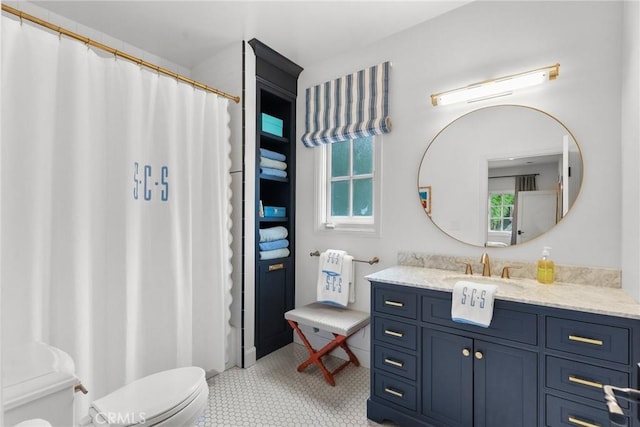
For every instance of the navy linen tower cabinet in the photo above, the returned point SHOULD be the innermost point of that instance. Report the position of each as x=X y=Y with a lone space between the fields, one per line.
x=276 y=91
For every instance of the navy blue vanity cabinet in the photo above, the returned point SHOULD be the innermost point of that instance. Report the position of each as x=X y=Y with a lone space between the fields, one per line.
x=469 y=382
x=534 y=366
x=582 y=353
x=428 y=370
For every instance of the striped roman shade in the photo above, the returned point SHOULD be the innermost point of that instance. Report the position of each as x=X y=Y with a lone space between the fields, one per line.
x=353 y=106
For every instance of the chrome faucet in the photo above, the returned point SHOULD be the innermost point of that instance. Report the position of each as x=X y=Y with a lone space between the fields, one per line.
x=486 y=267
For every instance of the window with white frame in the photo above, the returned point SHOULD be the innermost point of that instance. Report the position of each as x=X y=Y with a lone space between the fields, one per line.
x=501 y=211
x=349 y=185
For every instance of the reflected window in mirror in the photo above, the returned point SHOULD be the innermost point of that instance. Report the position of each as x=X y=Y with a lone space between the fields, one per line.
x=349 y=185
x=500 y=212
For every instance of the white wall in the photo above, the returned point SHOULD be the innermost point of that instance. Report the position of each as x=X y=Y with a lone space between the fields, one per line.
x=479 y=41
x=631 y=149
x=83 y=30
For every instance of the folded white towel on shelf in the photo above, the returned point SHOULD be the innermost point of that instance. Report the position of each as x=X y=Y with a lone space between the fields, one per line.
x=273 y=233
x=275 y=253
x=270 y=163
x=336 y=288
x=473 y=303
x=332 y=262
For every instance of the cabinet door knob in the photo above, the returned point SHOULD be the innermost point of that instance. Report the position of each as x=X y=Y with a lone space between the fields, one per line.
x=466 y=352
x=479 y=355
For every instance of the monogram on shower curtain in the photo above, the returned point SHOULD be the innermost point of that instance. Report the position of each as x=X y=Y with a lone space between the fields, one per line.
x=115 y=212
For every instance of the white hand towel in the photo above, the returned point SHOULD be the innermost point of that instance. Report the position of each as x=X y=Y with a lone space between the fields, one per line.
x=473 y=303
x=333 y=288
x=333 y=261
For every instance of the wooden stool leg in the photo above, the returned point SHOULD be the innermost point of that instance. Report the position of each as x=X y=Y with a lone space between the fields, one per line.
x=306 y=343
x=316 y=356
x=352 y=357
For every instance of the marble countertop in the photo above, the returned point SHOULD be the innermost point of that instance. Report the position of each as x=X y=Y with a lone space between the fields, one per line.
x=591 y=299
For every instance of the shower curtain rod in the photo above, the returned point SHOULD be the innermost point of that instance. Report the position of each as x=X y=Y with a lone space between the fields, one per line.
x=139 y=61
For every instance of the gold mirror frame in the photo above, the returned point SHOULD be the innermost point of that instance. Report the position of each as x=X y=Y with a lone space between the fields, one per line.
x=444 y=195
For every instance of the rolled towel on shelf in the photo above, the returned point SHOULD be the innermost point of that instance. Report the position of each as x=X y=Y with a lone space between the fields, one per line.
x=273 y=172
x=275 y=244
x=273 y=233
x=277 y=253
x=272 y=155
x=270 y=163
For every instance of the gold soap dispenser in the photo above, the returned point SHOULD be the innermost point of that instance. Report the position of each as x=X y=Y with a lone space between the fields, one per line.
x=546 y=267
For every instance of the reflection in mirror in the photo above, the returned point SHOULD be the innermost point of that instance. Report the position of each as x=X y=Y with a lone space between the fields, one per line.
x=503 y=175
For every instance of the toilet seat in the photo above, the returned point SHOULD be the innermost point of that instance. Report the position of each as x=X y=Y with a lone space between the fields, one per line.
x=173 y=397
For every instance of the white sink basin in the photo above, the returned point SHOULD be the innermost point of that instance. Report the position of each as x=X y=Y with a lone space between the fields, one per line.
x=500 y=282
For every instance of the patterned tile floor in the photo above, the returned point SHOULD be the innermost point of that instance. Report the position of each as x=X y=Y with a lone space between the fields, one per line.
x=273 y=393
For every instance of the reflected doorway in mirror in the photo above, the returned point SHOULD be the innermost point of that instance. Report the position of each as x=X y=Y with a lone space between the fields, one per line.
x=425 y=198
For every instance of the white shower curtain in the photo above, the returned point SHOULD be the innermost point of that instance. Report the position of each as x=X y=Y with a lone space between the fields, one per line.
x=115 y=212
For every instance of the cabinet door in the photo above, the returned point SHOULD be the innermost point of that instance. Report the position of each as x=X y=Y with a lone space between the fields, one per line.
x=505 y=386
x=447 y=374
x=274 y=297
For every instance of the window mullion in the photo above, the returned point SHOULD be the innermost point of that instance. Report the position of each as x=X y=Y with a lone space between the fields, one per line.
x=351 y=178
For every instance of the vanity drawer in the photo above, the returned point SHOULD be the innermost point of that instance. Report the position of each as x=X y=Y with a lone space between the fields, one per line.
x=588 y=339
x=563 y=413
x=583 y=379
x=395 y=333
x=390 y=300
x=395 y=362
x=506 y=323
x=395 y=391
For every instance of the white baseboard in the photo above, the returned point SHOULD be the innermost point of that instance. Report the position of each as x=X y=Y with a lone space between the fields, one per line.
x=249 y=357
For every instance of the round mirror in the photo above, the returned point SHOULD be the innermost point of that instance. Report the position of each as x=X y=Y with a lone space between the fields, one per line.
x=500 y=175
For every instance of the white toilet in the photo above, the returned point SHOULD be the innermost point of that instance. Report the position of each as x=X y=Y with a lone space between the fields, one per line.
x=175 y=397
x=39 y=382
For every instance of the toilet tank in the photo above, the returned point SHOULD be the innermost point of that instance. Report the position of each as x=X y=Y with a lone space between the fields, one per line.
x=38 y=381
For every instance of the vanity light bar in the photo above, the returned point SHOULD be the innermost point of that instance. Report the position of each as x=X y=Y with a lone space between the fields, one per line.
x=496 y=87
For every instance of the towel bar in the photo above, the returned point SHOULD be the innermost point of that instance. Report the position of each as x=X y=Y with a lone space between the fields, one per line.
x=372 y=261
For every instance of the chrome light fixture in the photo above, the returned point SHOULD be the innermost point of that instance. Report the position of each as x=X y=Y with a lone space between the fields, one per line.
x=496 y=87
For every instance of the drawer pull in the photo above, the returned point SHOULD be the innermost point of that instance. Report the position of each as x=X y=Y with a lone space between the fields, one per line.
x=394 y=392
x=393 y=362
x=585 y=340
x=274 y=267
x=579 y=422
x=466 y=352
x=394 y=333
x=393 y=303
x=584 y=382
